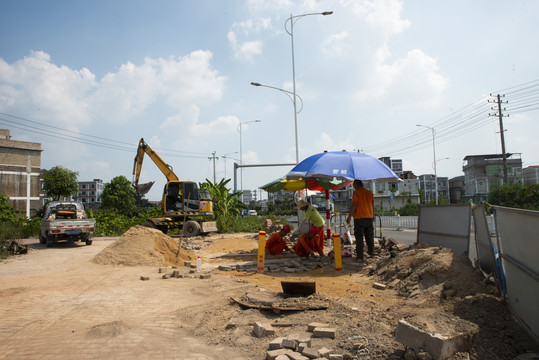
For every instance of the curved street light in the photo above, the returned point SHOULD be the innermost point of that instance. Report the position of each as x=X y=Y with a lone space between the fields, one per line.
x=241 y=153
x=290 y=94
x=434 y=153
x=293 y=20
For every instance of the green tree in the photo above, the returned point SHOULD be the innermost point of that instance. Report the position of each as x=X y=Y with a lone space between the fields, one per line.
x=516 y=196
x=60 y=182
x=225 y=202
x=7 y=212
x=118 y=195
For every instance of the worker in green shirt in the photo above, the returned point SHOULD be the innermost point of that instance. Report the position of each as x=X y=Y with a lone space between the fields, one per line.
x=316 y=219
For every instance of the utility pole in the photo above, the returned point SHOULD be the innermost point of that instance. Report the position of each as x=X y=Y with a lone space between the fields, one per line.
x=214 y=158
x=500 y=116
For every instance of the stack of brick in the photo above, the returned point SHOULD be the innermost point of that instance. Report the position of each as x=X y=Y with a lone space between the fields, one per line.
x=299 y=347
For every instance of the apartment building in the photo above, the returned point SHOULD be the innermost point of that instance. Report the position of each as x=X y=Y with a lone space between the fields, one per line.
x=531 y=175
x=20 y=172
x=90 y=193
x=482 y=173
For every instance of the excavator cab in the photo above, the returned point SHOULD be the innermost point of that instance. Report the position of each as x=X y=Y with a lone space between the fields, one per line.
x=183 y=196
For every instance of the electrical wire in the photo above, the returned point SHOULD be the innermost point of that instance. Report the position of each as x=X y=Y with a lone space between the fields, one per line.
x=67 y=135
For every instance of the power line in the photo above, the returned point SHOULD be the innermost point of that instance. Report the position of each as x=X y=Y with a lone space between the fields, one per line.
x=67 y=135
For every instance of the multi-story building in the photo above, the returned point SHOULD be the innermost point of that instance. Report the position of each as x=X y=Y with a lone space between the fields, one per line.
x=427 y=183
x=393 y=164
x=456 y=189
x=482 y=173
x=20 y=172
x=531 y=175
x=90 y=193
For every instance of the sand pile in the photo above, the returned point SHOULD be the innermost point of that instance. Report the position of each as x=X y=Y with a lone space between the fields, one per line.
x=142 y=246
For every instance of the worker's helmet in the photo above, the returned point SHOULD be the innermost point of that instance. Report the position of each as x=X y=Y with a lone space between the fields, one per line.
x=286 y=229
x=313 y=230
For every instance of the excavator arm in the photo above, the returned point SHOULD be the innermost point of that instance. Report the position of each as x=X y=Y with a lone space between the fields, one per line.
x=165 y=168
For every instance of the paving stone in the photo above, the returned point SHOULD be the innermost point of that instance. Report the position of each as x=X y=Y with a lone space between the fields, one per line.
x=282 y=357
x=272 y=354
x=324 y=352
x=325 y=333
x=445 y=335
x=297 y=356
x=379 y=286
x=290 y=344
x=310 y=353
x=276 y=343
x=314 y=325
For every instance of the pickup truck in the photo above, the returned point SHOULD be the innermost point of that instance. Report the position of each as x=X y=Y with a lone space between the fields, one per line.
x=65 y=221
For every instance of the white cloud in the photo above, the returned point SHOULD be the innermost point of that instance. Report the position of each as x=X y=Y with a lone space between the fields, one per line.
x=383 y=14
x=39 y=89
x=55 y=93
x=335 y=45
x=413 y=80
x=247 y=49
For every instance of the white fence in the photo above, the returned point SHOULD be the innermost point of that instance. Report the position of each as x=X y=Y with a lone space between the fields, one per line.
x=397 y=222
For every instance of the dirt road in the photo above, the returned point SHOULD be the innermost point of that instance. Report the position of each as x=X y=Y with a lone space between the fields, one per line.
x=56 y=303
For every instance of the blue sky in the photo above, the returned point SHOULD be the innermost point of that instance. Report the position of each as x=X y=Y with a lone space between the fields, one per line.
x=87 y=80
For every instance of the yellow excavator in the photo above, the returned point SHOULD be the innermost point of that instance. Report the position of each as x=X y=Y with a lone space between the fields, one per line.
x=184 y=206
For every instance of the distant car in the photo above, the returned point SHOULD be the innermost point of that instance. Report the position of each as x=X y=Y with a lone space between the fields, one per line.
x=252 y=213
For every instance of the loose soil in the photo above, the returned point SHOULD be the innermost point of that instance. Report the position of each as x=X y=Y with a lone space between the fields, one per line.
x=219 y=312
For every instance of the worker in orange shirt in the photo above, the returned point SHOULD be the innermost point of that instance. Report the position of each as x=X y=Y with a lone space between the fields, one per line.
x=276 y=244
x=362 y=209
x=308 y=244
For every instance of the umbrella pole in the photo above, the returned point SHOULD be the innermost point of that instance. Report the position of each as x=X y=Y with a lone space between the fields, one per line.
x=328 y=216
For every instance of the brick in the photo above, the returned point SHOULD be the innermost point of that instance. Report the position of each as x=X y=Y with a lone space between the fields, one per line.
x=324 y=352
x=314 y=325
x=258 y=329
x=335 y=357
x=325 y=333
x=163 y=270
x=290 y=344
x=175 y=273
x=144 y=278
x=394 y=283
x=297 y=356
x=305 y=341
x=379 y=286
x=272 y=354
x=187 y=263
x=205 y=276
x=165 y=276
x=310 y=353
x=276 y=343
x=282 y=357
x=445 y=335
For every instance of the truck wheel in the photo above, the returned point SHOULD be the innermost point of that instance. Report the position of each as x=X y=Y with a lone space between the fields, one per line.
x=42 y=239
x=50 y=241
x=88 y=242
x=191 y=228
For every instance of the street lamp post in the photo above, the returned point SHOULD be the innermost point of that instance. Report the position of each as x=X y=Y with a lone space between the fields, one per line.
x=434 y=154
x=241 y=153
x=292 y=20
x=225 y=157
x=292 y=98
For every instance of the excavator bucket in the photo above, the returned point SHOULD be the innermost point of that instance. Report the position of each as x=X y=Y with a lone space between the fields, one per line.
x=144 y=188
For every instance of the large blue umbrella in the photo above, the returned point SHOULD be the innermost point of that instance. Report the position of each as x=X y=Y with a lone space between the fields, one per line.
x=342 y=165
